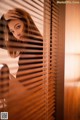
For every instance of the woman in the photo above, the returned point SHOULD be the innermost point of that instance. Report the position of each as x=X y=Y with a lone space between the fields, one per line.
x=23 y=39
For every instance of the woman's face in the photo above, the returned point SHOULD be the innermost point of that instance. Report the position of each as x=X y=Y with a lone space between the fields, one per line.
x=16 y=27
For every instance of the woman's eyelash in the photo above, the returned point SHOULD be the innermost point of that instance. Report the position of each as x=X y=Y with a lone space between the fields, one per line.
x=18 y=26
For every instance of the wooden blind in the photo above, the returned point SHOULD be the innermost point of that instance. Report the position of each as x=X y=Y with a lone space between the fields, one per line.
x=51 y=40
x=59 y=34
x=31 y=94
x=26 y=96
x=54 y=39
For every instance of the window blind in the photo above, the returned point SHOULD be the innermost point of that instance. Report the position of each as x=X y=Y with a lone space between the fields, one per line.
x=26 y=96
x=55 y=38
x=32 y=86
x=51 y=41
x=59 y=33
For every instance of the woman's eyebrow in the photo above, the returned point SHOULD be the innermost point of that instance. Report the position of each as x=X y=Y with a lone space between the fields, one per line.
x=16 y=25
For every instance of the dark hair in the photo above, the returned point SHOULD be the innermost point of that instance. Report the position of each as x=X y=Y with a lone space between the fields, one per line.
x=30 y=28
x=2 y=27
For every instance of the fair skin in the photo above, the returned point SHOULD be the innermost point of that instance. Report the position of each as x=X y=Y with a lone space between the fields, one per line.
x=16 y=27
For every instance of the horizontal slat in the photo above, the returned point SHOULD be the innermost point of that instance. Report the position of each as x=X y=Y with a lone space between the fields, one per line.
x=22 y=90
x=39 y=3
x=38 y=115
x=14 y=45
x=52 y=96
x=21 y=4
x=26 y=97
x=32 y=112
x=31 y=7
x=26 y=72
x=27 y=50
x=27 y=104
x=34 y=75
x=35 y=4
x=30 y=61
x=32 y=80
x=38 y=82
x=29 y=66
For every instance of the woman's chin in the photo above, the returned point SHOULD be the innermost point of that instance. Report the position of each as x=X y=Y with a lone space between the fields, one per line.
x=22 y=39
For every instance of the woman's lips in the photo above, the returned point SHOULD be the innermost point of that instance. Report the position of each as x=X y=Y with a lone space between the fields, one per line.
x=20 y=37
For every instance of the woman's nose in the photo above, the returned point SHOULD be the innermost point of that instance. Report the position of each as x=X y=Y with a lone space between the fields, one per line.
x=17 y=35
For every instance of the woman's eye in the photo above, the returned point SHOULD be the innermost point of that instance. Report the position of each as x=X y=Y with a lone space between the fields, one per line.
x=18 y=26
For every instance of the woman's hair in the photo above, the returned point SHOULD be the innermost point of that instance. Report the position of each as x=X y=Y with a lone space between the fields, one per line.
x=2 y=27
x=29 y=24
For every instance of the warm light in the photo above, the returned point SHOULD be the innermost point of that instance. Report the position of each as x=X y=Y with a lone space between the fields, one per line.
x=72 y=28
x=12 y=63
x=1 y=65
x=72 y=43
x=72 y=67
